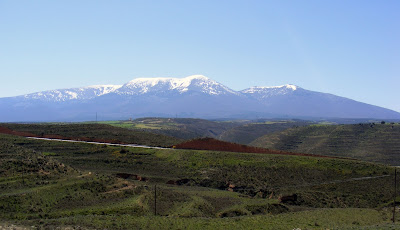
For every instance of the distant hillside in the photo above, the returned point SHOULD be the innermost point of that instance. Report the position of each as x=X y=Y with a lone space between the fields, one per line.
x=245 y=134
x=92 y=132
x=371 y=142
x=237 y=131
x=217 y=145
x=182 y=128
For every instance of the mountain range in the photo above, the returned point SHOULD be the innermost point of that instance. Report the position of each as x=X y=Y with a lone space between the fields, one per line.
x=193 y=96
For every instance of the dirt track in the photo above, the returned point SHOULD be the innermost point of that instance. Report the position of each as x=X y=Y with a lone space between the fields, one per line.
x=197 y=144
x=97 y=143
x=65 y=139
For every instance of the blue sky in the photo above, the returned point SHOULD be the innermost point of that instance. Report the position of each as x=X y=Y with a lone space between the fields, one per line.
x=348 y=48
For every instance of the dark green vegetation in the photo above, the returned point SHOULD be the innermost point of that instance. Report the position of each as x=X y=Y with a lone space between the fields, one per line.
x=95 y=132
x=237 y=131
x=183 y=128
x=371 y=142
x=50 y=184
x=246 y=133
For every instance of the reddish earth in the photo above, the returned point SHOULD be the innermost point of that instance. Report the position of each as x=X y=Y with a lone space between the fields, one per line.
x=217 y=145
x=12 y=132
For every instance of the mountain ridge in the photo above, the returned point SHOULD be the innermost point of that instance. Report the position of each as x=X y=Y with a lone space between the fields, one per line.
x=79 y=93
x=192 y=96
x=180 y=85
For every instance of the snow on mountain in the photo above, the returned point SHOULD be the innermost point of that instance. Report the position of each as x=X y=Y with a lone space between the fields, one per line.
x=263 y=92
x=84 y=93
x=193 y=96
x=195 y=83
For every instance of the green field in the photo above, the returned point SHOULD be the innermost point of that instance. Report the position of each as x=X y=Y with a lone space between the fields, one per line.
x=51 y=184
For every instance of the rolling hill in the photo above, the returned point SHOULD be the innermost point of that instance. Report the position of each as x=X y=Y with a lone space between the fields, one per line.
x=91 y=132
x=248 y=132
x=48 y=184
x=370 y=142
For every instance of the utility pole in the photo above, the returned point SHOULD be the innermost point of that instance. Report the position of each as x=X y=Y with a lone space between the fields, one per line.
x=155 y=200
x=395 y=193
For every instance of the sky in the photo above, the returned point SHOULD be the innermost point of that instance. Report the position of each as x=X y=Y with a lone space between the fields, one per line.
x=347 y=48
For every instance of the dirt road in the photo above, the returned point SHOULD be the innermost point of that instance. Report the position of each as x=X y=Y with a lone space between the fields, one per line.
x=98 y=143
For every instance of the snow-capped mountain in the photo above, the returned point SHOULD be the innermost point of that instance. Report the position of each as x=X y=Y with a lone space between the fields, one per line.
x=270 y=91
x=195 y=83
x=61 y=95
x=193 y=96
x=295 y=101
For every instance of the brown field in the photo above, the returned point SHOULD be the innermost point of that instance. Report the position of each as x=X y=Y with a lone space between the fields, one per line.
x=12 y=132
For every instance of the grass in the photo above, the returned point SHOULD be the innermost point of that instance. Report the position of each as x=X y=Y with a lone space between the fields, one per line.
x=316 y=219
x=238 y=131
x=182 y=128
x=138 y=125
x=371 y=142
x=96 y=132
x=52 y=184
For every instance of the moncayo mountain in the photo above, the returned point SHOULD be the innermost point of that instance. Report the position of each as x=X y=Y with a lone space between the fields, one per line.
x=193 y=96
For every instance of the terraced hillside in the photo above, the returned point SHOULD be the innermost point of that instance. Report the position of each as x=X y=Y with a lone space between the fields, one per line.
x=370 y=142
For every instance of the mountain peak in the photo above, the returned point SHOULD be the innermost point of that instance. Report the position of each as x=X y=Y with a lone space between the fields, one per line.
x=198 y=77
x=195 y=96
x=273 y=90
x=155 y=81
x=287 y=86
x=83 y=93
x=197 y=83
x=290 y=86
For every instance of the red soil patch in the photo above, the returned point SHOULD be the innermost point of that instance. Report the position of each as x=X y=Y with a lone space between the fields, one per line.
x=196 y=144
x=12 y=132
x=217 y=145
